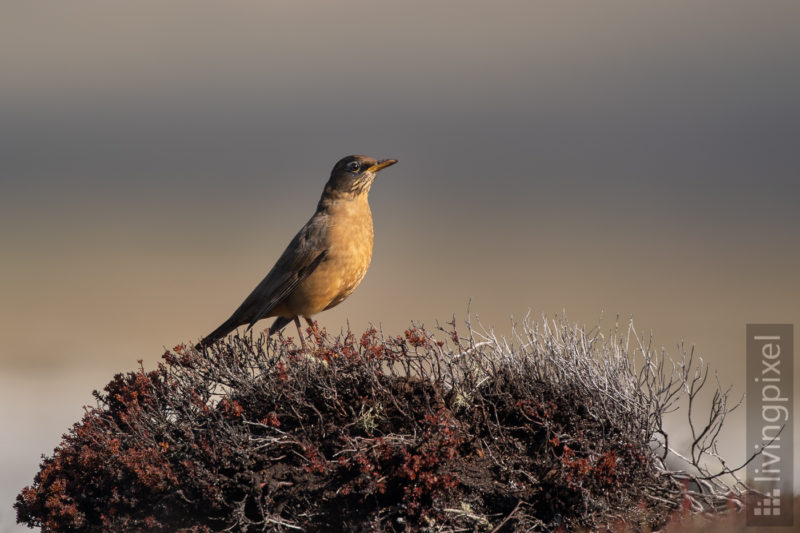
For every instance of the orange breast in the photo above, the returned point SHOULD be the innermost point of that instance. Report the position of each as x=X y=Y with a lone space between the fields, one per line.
x=349 y=243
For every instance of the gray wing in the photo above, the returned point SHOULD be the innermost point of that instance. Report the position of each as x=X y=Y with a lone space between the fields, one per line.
x=306 y=251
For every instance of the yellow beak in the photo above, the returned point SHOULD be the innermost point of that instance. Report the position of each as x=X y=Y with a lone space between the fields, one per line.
x=383 y=163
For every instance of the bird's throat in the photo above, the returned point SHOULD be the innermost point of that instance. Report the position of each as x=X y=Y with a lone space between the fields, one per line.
x=333 y=199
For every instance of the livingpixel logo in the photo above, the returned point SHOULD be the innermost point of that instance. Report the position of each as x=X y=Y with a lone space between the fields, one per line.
x=770 y=423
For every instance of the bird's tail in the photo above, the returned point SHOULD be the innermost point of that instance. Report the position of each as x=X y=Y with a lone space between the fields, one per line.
x=226 y=327
x=231 y=324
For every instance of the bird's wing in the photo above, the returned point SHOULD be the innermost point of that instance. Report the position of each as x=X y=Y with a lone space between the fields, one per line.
x=306 y=251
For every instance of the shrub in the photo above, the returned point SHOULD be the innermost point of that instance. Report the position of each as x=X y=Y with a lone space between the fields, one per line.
x=562 y=429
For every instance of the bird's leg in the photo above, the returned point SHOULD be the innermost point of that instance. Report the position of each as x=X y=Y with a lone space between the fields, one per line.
x=312 y=325
x=314 y=330
x=300 y=332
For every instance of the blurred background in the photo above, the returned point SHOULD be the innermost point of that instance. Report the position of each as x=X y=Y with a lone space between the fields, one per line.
x=599 y=158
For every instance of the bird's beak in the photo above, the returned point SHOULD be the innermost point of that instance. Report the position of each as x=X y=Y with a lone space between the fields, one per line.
x=383 y=163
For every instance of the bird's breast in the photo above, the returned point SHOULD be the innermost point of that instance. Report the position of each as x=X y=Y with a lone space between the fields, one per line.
x=349 y=243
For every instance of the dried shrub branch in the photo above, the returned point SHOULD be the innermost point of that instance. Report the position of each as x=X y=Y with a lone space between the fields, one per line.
x=554 y=428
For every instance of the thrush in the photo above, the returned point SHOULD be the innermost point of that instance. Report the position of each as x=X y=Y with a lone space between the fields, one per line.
x=325 y=261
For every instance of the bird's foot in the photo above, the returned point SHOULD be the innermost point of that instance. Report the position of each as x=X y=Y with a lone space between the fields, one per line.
x=313 y=330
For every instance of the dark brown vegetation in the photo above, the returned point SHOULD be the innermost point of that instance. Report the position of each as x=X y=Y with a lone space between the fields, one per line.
x=560 y=431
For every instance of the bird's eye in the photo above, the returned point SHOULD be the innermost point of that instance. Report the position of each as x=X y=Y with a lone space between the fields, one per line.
x=353 y=166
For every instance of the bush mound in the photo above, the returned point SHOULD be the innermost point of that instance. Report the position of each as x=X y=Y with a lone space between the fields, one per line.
x=416 y=432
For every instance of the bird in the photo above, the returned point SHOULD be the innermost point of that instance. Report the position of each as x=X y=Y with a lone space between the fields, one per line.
x=324 y=262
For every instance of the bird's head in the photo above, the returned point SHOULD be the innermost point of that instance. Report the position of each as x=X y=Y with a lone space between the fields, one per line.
x=353 y=175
